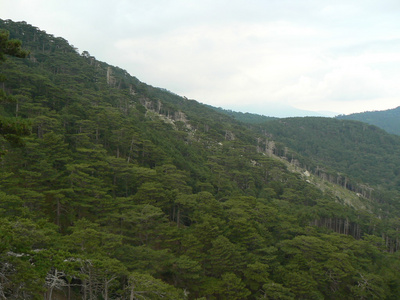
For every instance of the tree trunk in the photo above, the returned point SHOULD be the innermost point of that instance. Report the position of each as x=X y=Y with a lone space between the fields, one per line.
x=105 y=290
x=50 y=293
x=58 y=213
x=178 y=217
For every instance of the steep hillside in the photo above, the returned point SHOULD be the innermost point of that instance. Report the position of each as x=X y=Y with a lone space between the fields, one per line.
x=126 y=191
x=388 y=120
x=358 y=156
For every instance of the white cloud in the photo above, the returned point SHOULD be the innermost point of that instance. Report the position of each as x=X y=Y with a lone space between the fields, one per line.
x=315 y=55
x=226 y=62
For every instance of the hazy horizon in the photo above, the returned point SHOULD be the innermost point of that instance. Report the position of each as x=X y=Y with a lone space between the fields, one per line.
x=259 y=56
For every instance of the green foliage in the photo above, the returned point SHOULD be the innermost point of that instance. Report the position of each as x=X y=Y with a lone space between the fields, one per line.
x=10 y=47
x=357 y=156
x=11 y=128
x=126 y=191
x=388 y=120
x=144 y=286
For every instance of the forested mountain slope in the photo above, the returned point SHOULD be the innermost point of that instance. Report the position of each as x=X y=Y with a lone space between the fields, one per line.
x=126 y=191
x=358 y=156
x=388 y=120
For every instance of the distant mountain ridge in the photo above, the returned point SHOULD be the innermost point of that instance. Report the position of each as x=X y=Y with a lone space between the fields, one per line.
x=334 y=147
x=248 y=118
x=389 y=120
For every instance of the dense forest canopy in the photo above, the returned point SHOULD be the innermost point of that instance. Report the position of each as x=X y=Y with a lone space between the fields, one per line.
x=388 y=120
x=359 y=150
x=126 y=191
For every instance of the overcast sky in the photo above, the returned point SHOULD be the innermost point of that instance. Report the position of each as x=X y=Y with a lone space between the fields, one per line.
x=261 y=56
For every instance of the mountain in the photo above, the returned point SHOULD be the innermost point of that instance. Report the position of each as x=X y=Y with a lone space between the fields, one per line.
x=388 y=120
x=279 y=110
x=248 y=118
x=120 y=190
x=361 y=157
